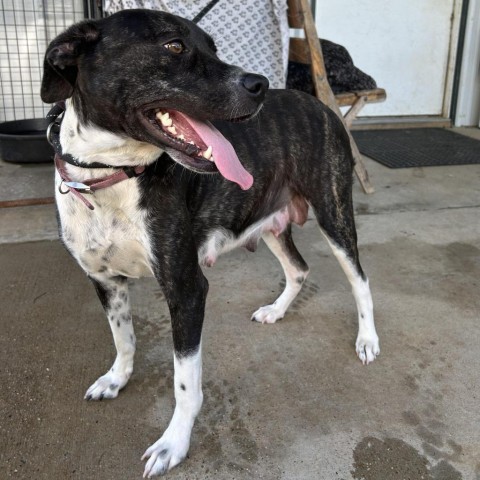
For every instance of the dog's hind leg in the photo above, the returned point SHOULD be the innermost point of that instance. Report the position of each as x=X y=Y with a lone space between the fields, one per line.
x=337 y=223
x=113 y=294
x=295 y=269
x=367 y=344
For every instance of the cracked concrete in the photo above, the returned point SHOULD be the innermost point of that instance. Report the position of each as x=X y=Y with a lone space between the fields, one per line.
x=283 y=401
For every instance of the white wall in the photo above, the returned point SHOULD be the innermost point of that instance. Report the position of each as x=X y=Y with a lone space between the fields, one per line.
x=403 y=44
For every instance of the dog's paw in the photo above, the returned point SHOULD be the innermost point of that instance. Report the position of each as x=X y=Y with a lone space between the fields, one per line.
x=107 y=386
x=165 y=454
x=367 y=347
x=268 y=314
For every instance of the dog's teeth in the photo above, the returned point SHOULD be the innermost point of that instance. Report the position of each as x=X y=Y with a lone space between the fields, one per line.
x=172 y=130
x=181 y=137
x=207 y=153
x=164 y=119
x=191 y=142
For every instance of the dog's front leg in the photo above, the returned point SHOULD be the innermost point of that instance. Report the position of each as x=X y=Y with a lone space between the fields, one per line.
x=185 y=289
x=113 y=294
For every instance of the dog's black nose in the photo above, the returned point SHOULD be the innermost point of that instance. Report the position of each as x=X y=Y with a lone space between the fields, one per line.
x=256 y=85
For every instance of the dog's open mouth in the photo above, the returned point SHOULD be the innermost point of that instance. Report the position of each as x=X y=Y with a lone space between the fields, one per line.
x=197 y=145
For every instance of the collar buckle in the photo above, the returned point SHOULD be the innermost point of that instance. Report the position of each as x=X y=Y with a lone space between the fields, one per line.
x=78 y=186
x=53 y=128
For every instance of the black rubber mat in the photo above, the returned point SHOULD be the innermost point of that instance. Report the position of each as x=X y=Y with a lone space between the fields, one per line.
x=418 y=147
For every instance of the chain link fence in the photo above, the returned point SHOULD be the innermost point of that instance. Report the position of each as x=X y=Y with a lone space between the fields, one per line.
x=26 y=28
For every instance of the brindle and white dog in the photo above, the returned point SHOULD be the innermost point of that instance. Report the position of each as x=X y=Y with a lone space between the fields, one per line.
x=144 y=89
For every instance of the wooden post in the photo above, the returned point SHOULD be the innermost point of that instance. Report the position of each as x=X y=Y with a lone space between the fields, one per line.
x=353 y=111
x=302 y=15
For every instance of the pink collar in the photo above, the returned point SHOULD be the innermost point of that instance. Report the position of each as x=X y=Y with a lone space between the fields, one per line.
x=91 y=186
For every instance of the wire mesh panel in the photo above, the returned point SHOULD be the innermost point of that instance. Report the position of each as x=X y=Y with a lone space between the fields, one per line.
x=26 y=28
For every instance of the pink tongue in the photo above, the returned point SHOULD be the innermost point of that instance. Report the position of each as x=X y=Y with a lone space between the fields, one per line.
x=224 y=155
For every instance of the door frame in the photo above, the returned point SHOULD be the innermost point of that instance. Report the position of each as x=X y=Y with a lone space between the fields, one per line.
x=466 y=95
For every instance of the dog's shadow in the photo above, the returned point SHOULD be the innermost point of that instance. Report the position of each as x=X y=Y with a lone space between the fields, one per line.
x=308 y=291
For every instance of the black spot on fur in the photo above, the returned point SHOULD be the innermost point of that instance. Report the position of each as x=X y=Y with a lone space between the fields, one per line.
x=111 y=250
x=221 y=242
x=118 y=323
x=182 y=386
x=66 y=235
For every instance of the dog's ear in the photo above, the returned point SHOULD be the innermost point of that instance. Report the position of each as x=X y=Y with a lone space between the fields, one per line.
x=61 y=60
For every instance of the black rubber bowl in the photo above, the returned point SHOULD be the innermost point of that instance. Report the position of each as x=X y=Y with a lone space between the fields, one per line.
x=25 y=141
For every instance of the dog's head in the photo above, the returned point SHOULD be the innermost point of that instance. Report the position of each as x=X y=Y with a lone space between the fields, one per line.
x=154 y=77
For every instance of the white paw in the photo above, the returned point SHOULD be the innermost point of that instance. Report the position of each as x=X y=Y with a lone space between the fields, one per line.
x=165 y=454
x=268 y=314
x=367 y=347
x=107 y=386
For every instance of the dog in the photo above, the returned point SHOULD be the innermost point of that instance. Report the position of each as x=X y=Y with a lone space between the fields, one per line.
x=188 y=157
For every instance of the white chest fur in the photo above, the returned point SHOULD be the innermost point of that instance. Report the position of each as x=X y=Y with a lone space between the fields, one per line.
x=112 y=239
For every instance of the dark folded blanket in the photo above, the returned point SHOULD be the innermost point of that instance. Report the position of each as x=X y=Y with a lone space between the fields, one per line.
x=342 y=74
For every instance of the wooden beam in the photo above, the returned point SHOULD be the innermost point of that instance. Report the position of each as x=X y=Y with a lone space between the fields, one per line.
x=298 y=51
x=353 y=111
x=295 y=17
x=303 y=15
x=27 y=202
x=349 y=98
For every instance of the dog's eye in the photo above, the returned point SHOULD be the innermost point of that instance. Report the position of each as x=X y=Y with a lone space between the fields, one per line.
x=175 y=47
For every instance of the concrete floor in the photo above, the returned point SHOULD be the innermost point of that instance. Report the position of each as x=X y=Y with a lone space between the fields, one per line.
x=284 y=401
